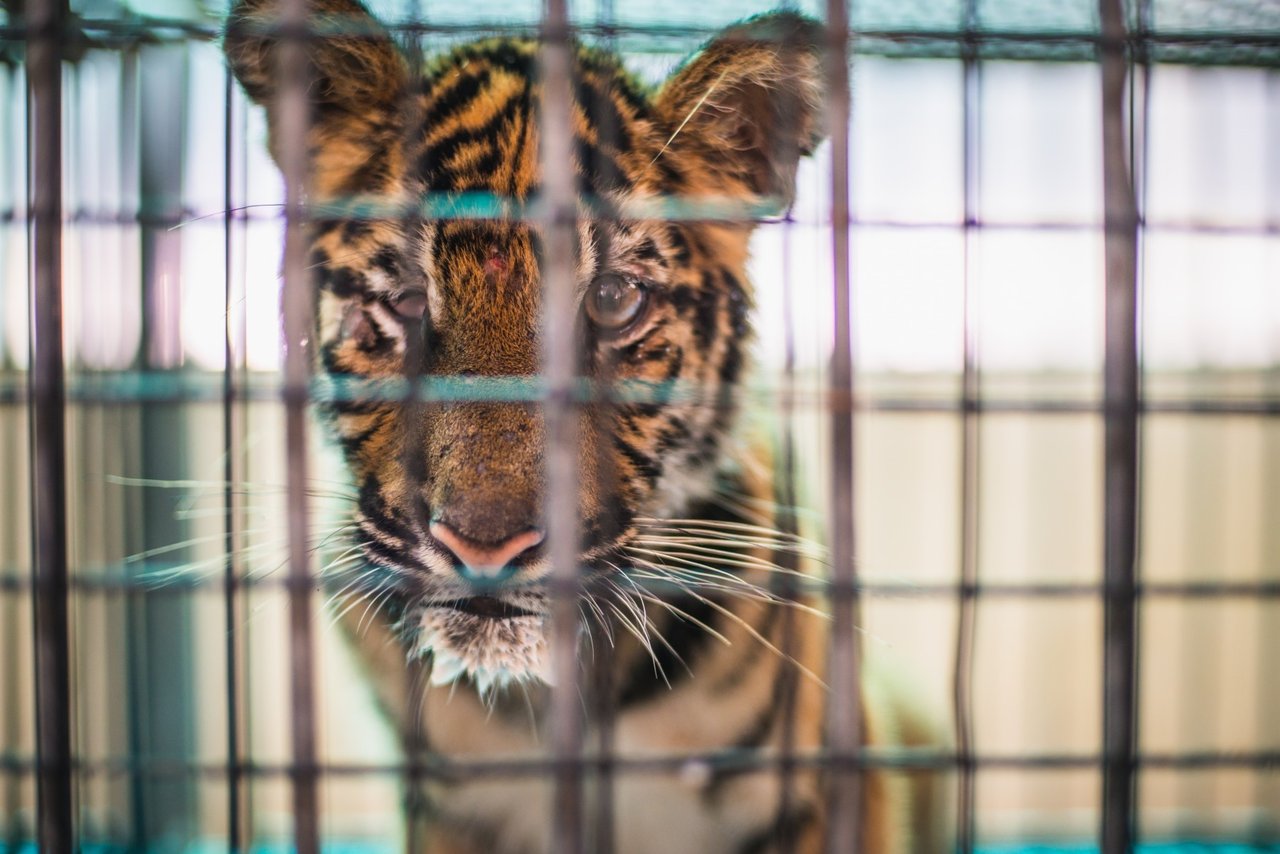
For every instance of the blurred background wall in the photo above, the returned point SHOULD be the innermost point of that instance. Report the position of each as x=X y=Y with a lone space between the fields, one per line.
x=977 y=204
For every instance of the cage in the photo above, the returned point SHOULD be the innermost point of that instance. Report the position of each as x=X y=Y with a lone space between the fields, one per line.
x=1017 y=353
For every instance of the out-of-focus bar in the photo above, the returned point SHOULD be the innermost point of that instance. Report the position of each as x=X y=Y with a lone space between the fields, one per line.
x=559 y=226
x=294 y=118
x=844 y=711
x=1120 y=484
x=231 y=429
x=970 y=403
x=55 y=831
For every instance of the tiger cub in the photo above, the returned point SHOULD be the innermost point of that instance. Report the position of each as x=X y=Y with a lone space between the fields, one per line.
x=689 y=639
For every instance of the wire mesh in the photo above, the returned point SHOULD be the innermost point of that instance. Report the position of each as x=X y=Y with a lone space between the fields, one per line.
x=1122 y=42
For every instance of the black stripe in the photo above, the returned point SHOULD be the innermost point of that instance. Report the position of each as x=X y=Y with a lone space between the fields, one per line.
x=643 y=681
x=607 y=525
x=446 y=105
x=433 y=165
x=383 y=554
x=342 y=282
x=739 y=304
x=648 y=251
x=679 y=244
x=386 y=518
x=323 y=227
x=731 y=365
x=646 y=411
x=483 y=168
x=519 y=127
x=672 y=177
x=644 y=465
x=387 y=260
x=600 y=172
x=504 y=53
x=356 y=228
x=329 y=359
x=356 y=406
x=602 y=112
x=706 y=313
x=703 y=304
x=372 y=173
x=676 y=433
x=676 y=365
x=351 y=445
x=782 y=833
x=635 y=352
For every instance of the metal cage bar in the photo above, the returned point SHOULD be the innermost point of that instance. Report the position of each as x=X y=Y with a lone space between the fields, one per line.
x=294 y=125
x=1119 y=719
x=56 y=827
x=560 y=413
x=231 y=432
x=970 y=439
x=844 y=713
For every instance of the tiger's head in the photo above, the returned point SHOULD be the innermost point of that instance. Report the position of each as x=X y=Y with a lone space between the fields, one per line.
x=451 y=491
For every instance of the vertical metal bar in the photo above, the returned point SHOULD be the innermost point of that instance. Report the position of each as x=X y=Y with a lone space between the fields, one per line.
x=293 y=126
x=559 y=227
x=1266 y=783
x=962 y=675
x=229 y=471
x=55 y=831
x=163 y=709
x=1139 y=114
x=601 y=687
x=1121 y=443
x=131 y=179
x=783 y=143
x=844 y=721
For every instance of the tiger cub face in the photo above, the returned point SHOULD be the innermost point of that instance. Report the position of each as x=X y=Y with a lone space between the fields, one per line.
x=451 y=493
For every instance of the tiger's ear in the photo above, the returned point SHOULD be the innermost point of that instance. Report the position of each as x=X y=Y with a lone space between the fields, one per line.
x=357 y=69
x=751 y=102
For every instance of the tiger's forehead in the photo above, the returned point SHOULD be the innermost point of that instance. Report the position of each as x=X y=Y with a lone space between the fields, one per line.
x=469 y=266
x=478 y=123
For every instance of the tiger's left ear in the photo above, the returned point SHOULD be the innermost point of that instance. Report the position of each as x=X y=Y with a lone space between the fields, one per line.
x=750 y=103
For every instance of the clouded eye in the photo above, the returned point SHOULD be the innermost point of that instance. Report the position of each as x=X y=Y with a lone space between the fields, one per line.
x=615 y=302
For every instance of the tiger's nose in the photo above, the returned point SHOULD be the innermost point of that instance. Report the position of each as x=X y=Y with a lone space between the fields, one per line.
x=486 y=562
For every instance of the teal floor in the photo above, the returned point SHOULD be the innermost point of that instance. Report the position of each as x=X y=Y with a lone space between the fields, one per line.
x=1187 y=847
x=1183 y=847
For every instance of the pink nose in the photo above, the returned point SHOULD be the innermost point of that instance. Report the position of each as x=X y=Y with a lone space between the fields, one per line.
x=486 y=562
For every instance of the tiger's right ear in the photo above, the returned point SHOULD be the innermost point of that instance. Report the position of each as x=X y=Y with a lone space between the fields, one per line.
x=357 y=68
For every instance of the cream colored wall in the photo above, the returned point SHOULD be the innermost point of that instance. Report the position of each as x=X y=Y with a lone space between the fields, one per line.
x=1211 y=512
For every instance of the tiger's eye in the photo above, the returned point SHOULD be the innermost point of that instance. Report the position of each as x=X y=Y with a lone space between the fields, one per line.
x=614 y=302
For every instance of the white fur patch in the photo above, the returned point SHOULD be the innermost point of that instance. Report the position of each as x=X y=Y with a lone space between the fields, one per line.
x=494 y=653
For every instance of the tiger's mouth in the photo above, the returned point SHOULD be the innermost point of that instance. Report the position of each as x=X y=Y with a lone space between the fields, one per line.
x=487 y=607
x=492 y=638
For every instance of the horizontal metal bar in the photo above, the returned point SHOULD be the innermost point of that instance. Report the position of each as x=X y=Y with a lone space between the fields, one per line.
x=488 y=206
x=107 y=579
x=130 y=387
x=725 y=761
x=158 y=30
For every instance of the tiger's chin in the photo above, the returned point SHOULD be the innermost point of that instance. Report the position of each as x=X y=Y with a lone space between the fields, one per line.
x=488 y=641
